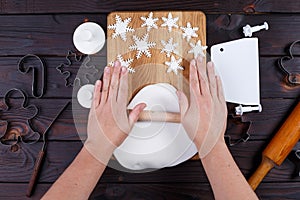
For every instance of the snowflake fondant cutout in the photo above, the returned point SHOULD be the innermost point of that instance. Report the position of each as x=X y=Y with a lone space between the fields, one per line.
x=170 y=22
x=121 y=27
x=126 y=63
x=174 y=65
x=169 y=47
x=189 y=31
x=149 y=22
x=142 y=45
x=197 y=49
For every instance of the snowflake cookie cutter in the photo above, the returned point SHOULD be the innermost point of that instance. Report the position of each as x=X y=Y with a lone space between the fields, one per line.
x=63 y=69
x=15 y=123
x=292 y=78
x=24 y=70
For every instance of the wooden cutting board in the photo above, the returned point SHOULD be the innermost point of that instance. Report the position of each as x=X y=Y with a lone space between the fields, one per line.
x=153 y=70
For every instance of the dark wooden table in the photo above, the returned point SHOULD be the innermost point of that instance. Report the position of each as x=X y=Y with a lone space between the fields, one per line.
x=45 y=28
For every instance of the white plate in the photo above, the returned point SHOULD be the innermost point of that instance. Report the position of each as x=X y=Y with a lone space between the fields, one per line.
x=155 y=144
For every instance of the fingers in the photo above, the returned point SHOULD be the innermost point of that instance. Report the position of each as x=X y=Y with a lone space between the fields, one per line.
x=212 y=79
x=220 y=90
x=97 y=94
x=183 y=103
x=105 y=85
x=202 y=76
x=201 y=67
x=114 y=85
x=123 y=87
x=194 y=81
x=134 y=114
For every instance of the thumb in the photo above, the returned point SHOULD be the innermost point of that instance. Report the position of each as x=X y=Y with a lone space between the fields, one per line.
x=135 y=113
x=183 y=102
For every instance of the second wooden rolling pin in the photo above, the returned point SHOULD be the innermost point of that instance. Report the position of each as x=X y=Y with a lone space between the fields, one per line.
x=279 y=147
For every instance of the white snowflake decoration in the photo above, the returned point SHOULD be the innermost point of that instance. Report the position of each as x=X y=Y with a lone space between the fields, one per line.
x=189 y=31
x=121 y=27
x=169 y=47
x=174 y=65
x=170 y=22
x=197 y=49
x=124 y=63
x=142 y=45
x=149 y=22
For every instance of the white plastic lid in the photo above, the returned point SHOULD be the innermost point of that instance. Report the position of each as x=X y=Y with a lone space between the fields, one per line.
x=85 y=95
x=89 y=38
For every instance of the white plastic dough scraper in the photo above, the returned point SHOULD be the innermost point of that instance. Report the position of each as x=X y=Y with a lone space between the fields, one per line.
x=237 y=63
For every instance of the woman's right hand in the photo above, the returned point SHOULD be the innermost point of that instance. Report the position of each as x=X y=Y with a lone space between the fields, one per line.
x=205 y=117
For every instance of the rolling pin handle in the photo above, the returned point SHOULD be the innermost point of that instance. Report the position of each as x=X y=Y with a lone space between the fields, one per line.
x=265 y=166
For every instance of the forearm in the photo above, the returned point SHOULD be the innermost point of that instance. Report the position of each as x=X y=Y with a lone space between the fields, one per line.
x=225 y=177
x=79 y=179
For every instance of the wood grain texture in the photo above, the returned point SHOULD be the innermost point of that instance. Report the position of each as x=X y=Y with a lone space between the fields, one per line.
x=264 y=124
x=151 y=70
x=96 y=6
x=46 y=27
x=272 y=81
x=168 y=191
x=18 y=166
x=52 y=34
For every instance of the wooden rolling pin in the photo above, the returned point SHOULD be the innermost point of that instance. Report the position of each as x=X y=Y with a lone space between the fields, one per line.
x=279 y=147
x=159 y=116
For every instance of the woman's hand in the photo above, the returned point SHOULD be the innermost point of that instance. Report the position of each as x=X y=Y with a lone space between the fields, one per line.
x=204 y=118
x=109 y=123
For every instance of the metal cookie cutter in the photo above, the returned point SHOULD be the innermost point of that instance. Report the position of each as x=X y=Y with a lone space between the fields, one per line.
x=67 y=73
x=35 y=71
x=293 y=78
x=245 y=135
x=83 y=73
x=15 y=121
x=294 y=157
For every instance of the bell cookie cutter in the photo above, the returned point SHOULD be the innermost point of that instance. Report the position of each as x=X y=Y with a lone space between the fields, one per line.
x=292 y=78
x=17 y=128
x=35 y=70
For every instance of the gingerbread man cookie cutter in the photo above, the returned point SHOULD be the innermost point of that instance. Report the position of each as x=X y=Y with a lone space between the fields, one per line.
x=292 y=78
x=15 y=123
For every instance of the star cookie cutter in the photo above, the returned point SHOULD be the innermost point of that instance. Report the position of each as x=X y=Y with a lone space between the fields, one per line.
x=15 y=123
x=292 y=78
x=24 y=70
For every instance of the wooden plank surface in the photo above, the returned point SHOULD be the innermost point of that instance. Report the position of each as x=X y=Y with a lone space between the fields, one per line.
x=52 y=34
x=272 y=80
x=169 y=191
x=46 y=28
x=263 y=126
x=18 y=165
x=95 y=6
